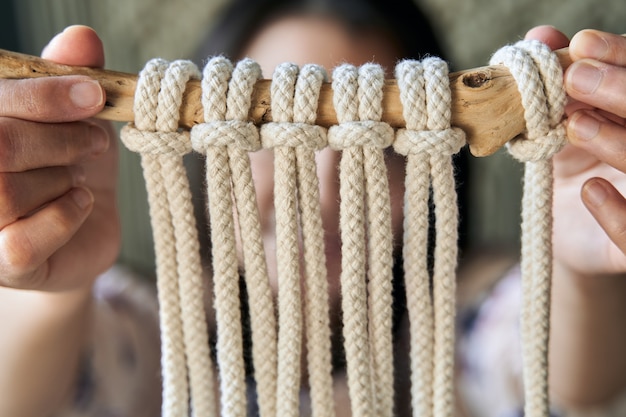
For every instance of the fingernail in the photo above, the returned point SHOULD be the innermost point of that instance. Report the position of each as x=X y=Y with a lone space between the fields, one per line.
x=584 y=126
x=86 y=94
x=584 y=77
x=595 y=193
x=99 y=139
x=82 y=198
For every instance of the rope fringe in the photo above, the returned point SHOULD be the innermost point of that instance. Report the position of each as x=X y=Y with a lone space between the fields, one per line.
x=540 y=82
x=302 y=305
x=366 y=236
x=429 y=142
x=186 y=364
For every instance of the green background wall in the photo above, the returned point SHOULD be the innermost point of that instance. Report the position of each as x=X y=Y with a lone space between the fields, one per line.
x=137 y=30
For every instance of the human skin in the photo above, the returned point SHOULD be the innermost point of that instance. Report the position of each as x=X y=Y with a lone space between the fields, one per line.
x=59 y=270
x=587 y=340
x=59 y=227
x=589 y=290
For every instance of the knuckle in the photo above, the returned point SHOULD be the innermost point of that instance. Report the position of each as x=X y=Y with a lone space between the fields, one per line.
x=8 y=142
x=33 y=98
x=74 y=150
x=30 y=102
x=8 y=199
x=18 y=259
x=618 y=231
x=64 y=220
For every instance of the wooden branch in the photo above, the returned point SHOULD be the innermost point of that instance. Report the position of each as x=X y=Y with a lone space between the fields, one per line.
x=485 y=101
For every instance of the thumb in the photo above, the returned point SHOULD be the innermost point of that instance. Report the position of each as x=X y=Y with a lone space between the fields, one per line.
x=548 y=35
x=76 y=45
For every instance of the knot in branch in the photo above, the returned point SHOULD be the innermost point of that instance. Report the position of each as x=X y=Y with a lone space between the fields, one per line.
x=426 y=100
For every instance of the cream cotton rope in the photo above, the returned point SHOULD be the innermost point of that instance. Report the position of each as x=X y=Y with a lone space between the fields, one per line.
x=429 y=142
x=366 y=246
x=294 y=138
x=185 y=351
x=225 y=138
x=278 y=332
x=540 y=82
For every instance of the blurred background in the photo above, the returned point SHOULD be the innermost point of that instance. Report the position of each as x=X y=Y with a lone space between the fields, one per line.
x=470 y=31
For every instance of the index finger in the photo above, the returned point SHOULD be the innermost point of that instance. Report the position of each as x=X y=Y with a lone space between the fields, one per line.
x=601 y=46
x=51 y=99
x=597 y=84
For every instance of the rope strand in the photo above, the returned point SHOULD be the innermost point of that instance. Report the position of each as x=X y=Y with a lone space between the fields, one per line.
x=217 y=72
x=317 y=320
x=379 y=239
x=176 y=239
x=415 y=246
x=262 y=316
x=366 y=243
x=428 y=141
x=540 y=82
x=287 y=249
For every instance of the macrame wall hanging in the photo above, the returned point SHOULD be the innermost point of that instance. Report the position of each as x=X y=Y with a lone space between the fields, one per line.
x=226 y=110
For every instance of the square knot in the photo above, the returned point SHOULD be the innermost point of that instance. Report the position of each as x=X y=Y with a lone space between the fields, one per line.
x=238 y=133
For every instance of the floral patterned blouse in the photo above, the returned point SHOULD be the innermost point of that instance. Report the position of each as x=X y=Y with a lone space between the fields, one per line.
x=120 y=375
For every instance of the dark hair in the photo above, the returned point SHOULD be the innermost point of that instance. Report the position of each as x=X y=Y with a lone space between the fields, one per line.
x=401 y=19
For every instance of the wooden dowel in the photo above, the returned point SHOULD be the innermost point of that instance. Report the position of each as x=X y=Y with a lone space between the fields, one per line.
x=485 y=101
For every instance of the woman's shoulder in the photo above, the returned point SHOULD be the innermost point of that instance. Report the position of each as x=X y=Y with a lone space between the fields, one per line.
x=489 y=348
x=119 y=371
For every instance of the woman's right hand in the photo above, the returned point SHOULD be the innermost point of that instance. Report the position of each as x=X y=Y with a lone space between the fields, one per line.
x=59 y=225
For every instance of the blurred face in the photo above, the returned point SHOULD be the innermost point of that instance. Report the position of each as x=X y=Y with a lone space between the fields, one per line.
x=326 y=42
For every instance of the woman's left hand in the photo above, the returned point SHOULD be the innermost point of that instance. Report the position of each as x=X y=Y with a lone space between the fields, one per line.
x=593 y=164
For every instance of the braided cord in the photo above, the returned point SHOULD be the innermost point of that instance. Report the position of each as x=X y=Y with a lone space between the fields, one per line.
x=379 y=239
x=429 y=142
x=317 y=321
x=410 y=76
x=224 y=257
x=184 y=341
x=353 y=256
x=262 y=318
x=288 y=267
x=365 y=223
x=366 y=234
x=540 y=82
x=225 y=138
x=438 y=104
